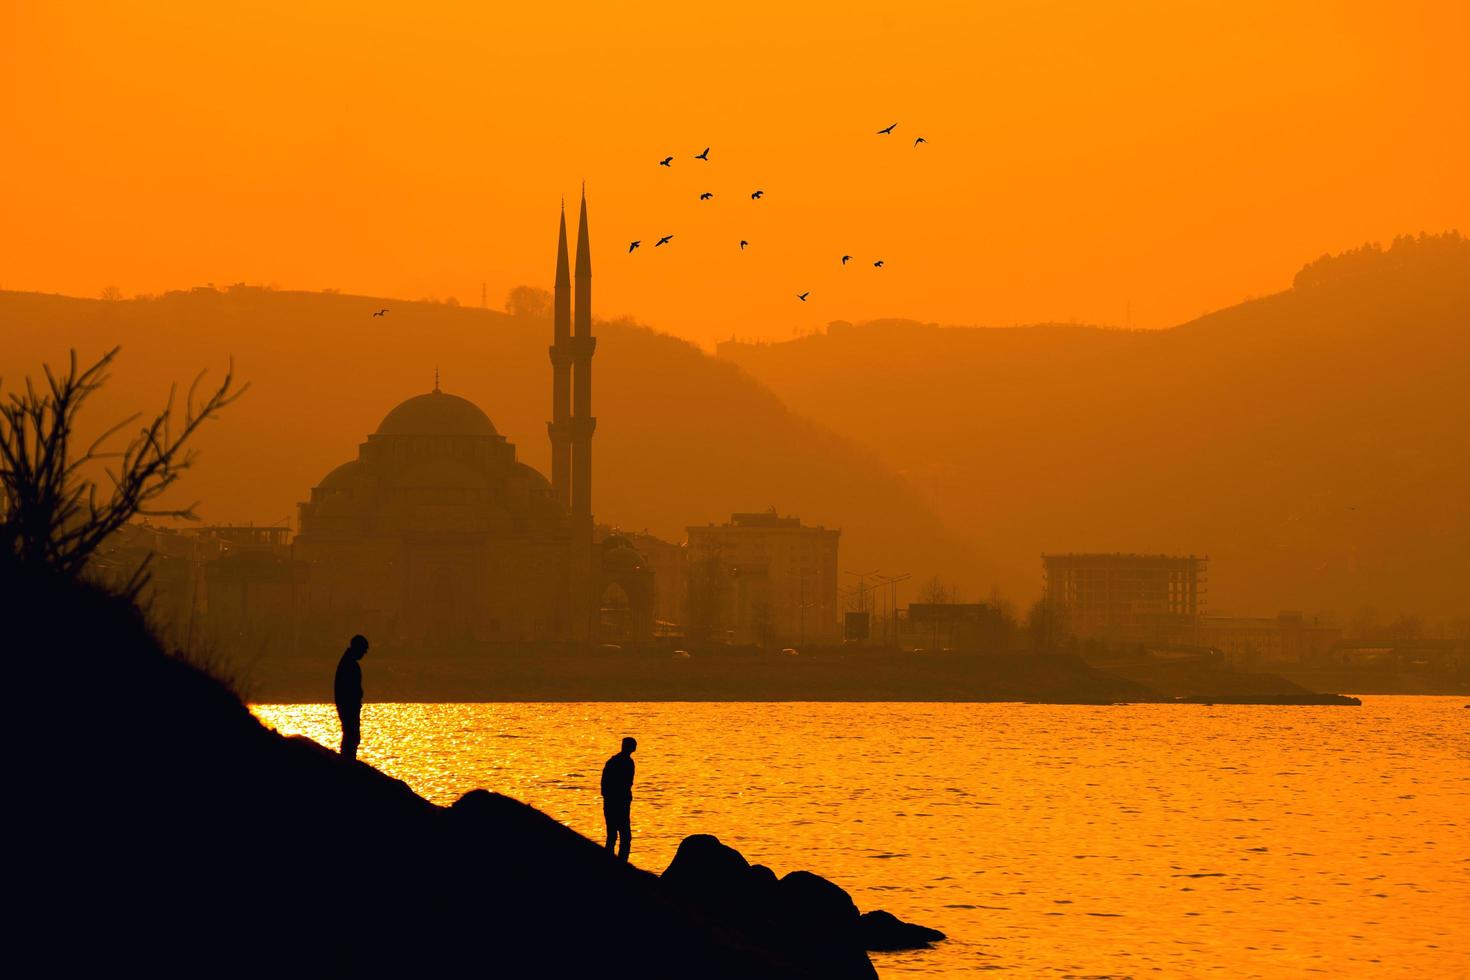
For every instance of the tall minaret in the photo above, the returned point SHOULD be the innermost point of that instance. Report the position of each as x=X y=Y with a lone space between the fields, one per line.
x=560 y=426
x=583 y=344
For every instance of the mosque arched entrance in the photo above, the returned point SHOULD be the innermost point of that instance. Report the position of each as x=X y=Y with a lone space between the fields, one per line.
x=625 y=594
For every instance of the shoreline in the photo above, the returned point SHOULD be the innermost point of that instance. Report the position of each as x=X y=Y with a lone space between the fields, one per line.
x=1309 y=701
x=838 y=678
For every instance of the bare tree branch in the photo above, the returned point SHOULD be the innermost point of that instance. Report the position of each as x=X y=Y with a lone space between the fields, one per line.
x=54 y=515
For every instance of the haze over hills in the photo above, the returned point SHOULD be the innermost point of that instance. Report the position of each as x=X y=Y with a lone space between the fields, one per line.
x=681 y=437
x=1314 y=443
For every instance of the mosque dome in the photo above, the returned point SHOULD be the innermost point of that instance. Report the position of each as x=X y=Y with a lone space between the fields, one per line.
x=437 y=414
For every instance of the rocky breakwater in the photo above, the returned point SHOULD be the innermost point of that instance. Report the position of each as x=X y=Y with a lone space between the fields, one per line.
x=806 y=919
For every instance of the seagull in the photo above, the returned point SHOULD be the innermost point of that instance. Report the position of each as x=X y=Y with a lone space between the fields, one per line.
x=845 y=259
x=757 y=195
x=633 y=245
x=743 y=243
x=705 y=196
x=703 y=156
x=380 y=313
x=920 y=140
x=878 y=264
x=662 y=241
x=666 y=162
x=885 y=132
x=803 y=296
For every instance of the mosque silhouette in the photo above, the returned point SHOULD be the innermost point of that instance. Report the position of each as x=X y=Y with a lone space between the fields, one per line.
x=436 y=531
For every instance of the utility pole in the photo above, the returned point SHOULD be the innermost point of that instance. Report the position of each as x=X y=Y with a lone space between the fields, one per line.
x=862 y=589
x=890 y=582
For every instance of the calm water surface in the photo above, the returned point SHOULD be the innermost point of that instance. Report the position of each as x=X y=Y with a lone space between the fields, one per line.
x=1063 y=840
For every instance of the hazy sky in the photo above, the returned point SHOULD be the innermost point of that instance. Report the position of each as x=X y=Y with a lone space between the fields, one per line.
x=1083 y=159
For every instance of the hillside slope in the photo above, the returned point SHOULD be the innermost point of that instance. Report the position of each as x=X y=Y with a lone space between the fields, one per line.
x=681 y=438
x=1313 y=443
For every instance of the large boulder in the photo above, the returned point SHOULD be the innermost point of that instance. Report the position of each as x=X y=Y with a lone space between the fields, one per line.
x=819 y=903
x=705 y=867
x=822 y=917
x=808 y=918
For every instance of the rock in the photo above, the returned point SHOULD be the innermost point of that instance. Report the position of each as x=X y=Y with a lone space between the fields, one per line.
x=701 y=858
x=820 y=905
x=885 y=932
x=810 y=920
x=716 y=879
x=821 y=917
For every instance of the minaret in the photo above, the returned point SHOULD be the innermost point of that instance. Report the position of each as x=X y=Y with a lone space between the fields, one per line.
x=583 y=345
x=560 y=426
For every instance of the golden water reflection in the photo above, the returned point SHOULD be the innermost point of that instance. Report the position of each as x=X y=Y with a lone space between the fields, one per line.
x=1250 y=841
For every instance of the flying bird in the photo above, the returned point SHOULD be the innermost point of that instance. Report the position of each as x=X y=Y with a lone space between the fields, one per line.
x=703 y=156
x=878 y=264
x=380 y=313
x=663 y=240
x=846 y=259
x=705 y=196
x=920 y=140
x=666 y=162
x=803 y=296
x=757 y=195
x=743 y=243
x=633 y=245
x=885 y=132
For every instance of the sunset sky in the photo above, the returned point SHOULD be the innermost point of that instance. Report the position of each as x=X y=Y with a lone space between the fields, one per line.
x=1099 y=162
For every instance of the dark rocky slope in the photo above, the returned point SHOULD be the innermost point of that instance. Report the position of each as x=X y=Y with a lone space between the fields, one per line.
x=161 y=827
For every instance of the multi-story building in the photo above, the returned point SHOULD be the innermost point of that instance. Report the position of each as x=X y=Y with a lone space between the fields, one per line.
x=763 y=579
x=1126 y=597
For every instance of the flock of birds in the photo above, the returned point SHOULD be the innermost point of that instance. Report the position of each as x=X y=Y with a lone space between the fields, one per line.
x=756 y=195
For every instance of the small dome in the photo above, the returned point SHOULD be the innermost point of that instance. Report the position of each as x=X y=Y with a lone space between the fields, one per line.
x=349 y=474
x=437 y=414
x=533 y=478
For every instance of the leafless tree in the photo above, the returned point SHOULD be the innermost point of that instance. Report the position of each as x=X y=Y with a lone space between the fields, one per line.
x=935 y=592
x=55 y=513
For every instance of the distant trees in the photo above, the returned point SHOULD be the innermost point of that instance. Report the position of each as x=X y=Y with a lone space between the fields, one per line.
x=1045 y=626
x=111 y=294
x=55 y=514
x=528 y=301
x=1332 y=268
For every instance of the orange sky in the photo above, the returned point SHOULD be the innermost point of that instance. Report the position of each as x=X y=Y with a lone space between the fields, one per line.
x=1084 y=159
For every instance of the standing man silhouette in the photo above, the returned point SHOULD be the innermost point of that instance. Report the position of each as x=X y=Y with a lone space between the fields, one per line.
x=617 y=797
x=348 y=690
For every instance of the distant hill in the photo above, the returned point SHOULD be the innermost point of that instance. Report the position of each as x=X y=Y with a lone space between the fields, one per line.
x=1315 y=443
x=681 y=437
